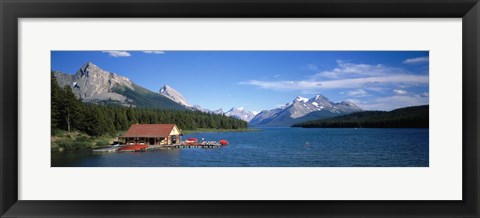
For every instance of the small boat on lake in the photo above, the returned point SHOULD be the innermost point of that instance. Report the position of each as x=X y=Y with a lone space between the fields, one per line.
x=135 y=147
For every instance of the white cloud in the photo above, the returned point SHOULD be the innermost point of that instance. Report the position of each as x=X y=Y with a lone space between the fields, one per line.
x=350 y=70
x=360 y=103
x=340 y=83
x=118 y=53
x=361 y=77
x=399 y=91
x=425 y=94
x=416 y=60
x=391 y=102
x=359 y=81
x=358 y=93
x=372 y=87
x=154 y=52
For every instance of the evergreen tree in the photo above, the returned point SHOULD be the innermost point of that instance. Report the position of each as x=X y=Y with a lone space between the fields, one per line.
x=69 y=108
x=69 y=113
x=55 y=103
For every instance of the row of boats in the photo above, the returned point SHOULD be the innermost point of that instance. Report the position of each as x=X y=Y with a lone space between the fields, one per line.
x=189 y=143
x=194 y=141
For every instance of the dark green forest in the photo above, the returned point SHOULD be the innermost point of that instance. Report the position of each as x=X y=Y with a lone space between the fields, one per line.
x=409 y=117
x=70 y=114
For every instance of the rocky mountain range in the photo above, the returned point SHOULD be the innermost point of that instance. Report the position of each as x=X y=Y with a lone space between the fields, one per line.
x=303 y=109
x=93 y=84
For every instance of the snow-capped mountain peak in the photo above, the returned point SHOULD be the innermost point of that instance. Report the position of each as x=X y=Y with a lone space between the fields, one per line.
x=301 y=108
x=300 y=99
x=240 y=113
x=321 y=97
x=174 y=95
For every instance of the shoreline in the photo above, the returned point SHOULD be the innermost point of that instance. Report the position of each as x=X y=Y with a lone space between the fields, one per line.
x=75 y=140
x=205 y=130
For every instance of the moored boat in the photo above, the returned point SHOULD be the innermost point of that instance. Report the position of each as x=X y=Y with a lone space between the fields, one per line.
x=135 y=147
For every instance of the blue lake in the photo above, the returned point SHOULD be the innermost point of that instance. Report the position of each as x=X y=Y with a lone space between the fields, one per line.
x=277 y=147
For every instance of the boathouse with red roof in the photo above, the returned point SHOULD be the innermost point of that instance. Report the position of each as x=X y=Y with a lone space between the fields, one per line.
x=152 y=134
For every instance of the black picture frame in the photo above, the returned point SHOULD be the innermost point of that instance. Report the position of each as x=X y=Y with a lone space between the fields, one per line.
x=12 y=10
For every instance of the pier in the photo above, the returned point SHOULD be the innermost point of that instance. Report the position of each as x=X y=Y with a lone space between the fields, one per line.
x=194 y=146
x=183 y=144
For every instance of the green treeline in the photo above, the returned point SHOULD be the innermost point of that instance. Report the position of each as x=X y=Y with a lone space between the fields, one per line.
x=70 y=114
x=409 y=117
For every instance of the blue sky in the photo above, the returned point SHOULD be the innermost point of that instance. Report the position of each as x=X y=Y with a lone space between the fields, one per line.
x=259 y=80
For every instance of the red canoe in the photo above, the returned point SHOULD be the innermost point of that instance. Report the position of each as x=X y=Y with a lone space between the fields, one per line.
x=133 y=148
x=192 y=139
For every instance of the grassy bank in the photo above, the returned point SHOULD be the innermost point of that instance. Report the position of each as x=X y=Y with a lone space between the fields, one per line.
x=202 y=130
x=68 y=141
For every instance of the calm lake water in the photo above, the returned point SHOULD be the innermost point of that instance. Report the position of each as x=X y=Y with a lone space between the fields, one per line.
x=276 y=147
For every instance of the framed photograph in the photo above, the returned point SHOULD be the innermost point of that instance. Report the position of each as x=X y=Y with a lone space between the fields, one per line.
x=258 y=108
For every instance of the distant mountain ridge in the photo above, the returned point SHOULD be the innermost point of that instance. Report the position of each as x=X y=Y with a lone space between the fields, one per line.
x=303 y=109
x=408 y=117
x=239 y=113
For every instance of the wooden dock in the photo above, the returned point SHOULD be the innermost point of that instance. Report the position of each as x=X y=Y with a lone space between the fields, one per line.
x=136 y=148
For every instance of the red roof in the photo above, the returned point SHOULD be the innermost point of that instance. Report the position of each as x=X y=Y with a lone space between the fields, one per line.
x=149 y=130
